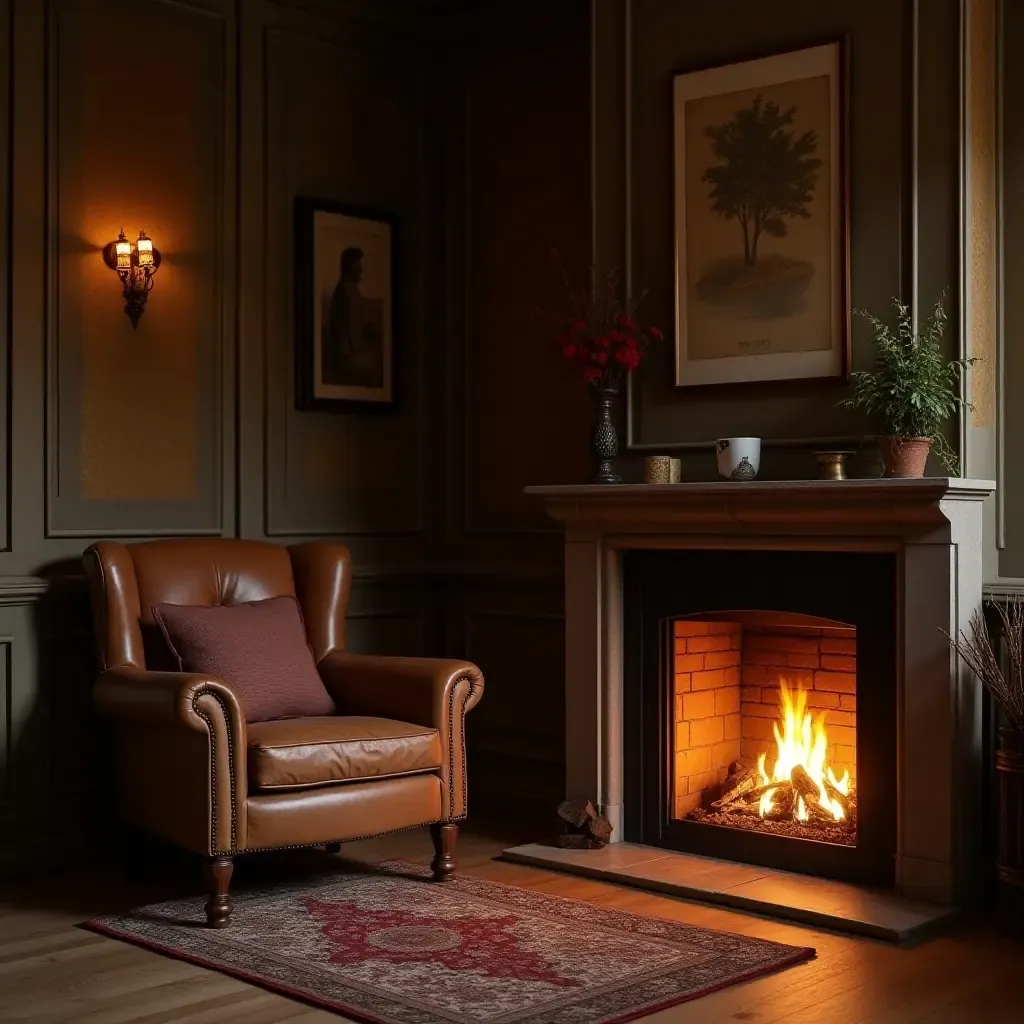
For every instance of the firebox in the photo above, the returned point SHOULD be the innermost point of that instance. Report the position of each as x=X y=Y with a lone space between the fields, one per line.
x=760 y=707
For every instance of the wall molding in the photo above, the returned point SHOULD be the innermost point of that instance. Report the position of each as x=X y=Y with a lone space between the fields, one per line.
x=18 y=590
x=23 y=589
x=1004 y=588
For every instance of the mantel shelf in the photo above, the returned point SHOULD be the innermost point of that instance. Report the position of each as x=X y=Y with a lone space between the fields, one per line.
x=857 y=505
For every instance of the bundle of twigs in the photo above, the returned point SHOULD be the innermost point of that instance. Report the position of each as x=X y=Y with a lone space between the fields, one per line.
x=981 y=654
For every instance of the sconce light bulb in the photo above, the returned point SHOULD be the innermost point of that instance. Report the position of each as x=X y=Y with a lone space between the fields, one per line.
x=123 y=252
x=144 y=247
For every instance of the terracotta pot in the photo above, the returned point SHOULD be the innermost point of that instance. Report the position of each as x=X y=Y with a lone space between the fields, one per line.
x=1010 y=863
x=905 y=456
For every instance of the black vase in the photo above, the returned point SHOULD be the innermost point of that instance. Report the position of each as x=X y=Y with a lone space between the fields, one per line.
x=604 y=441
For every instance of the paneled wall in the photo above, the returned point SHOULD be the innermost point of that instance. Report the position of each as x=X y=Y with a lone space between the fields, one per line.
x=499 y=133
x=200 y=121
x=903 y=108
x=521 y=169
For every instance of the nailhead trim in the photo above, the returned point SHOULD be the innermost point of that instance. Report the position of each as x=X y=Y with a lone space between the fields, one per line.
x=451 y=745
x=213 y=771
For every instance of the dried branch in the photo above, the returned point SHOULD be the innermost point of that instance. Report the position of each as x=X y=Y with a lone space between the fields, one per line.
x=977 y=650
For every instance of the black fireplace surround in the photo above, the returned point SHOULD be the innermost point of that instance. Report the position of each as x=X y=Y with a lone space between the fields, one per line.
x=854 y=588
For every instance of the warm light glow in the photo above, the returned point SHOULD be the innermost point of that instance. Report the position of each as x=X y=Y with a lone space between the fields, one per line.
x=802 y=741
x=145 y=250
x=123 y=252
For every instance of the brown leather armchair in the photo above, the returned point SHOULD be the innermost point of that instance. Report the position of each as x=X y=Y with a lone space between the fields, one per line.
x=192 y=771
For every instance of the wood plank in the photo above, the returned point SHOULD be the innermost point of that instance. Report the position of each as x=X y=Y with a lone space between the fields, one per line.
x=53 y=972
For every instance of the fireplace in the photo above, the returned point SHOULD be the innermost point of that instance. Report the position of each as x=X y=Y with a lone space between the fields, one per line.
x=856 y=583
x=760 y=693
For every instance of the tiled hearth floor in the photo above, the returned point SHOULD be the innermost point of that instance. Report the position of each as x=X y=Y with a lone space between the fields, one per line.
x=817 y=901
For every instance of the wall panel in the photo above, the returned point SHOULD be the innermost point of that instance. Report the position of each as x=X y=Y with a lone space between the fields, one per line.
x=134 y=435
x=6 y=255
x=331 y=473
x=527 y=139
x=902 y=182
x=522 y=656
x=1011 y=558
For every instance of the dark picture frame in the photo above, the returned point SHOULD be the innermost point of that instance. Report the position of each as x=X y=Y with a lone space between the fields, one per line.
x=345 y=306
x=778 y=341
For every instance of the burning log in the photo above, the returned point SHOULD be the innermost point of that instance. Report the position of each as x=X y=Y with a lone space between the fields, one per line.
x=737 y=791
x=804 y=784
x=585 y=828
x=756 y=794
x=840 y=798
x=783 y=803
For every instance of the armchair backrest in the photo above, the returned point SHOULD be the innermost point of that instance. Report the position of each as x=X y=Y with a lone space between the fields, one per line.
x=127 y=580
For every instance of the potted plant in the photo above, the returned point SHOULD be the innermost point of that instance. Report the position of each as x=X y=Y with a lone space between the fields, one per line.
x=603 y=343
x=911 y=390
x=1003 y=678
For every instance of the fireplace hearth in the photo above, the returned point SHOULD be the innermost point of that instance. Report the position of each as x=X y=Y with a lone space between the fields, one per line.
x=759 y=707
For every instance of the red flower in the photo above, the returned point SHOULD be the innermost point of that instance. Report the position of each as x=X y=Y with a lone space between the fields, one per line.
x=569 y=351
x=602 y=341
x=629 y=358
x=631 y=343
x=592 y=373
x=617 y=336
x=576 y=326
x=654 y=334
x=626 y=322
x=600 y=358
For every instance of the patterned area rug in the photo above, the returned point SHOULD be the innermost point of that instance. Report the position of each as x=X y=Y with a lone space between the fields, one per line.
x=386 y=945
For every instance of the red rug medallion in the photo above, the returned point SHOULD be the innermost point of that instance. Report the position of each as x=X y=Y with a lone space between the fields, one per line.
x=391 y=947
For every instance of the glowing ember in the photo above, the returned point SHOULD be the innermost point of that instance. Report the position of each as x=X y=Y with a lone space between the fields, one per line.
x=802 y=743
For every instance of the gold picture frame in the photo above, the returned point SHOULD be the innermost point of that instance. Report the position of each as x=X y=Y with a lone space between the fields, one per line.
x=761 y=219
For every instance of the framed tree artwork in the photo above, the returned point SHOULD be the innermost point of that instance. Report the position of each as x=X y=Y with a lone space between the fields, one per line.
x=761 y=219
x=345 y=301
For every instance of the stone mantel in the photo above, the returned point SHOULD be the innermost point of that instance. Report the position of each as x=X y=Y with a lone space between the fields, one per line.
x=934 y=528
x=876 y=506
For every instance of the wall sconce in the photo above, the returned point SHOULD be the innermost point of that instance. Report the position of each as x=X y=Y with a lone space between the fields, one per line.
x=135 y=264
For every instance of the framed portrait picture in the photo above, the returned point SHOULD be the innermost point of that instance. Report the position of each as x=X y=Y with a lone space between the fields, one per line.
x=761 y=219
x=344 y=307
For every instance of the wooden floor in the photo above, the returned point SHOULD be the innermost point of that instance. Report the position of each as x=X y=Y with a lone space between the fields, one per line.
x=51 y=971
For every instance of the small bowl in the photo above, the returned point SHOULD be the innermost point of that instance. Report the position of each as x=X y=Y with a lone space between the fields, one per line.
x=739 y=458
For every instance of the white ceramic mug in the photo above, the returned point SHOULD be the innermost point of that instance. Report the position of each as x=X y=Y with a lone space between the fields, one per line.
x=739 y=458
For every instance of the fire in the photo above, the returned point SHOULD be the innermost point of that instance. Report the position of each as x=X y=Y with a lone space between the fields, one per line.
x=801 y=741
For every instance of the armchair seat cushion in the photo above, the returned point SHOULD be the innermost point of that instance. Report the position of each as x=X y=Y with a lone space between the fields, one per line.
x=298 y=753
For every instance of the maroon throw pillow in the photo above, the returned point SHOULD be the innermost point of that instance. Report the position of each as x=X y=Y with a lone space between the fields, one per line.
x=259 y=649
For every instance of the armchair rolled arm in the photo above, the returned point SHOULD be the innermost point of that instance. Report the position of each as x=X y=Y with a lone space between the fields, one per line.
x=163 y=698
x=195 y=721
x=433 y=692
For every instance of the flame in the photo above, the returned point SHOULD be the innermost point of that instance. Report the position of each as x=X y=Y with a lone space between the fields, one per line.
x=802 y=740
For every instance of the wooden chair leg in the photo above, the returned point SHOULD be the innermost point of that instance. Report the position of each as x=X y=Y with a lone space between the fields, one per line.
x=443 y=864
x=332 y=847
x=217 y=871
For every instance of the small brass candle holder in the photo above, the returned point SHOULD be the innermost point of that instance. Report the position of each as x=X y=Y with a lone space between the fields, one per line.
x=832 y=465
x=661 y=469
